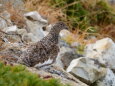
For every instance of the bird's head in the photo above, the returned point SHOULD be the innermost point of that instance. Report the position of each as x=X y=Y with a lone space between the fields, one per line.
x=57 y=27
x=61 y=25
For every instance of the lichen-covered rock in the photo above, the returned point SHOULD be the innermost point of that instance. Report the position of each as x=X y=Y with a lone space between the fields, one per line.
x=108 y=80
x=103 y=52
x=86 y=70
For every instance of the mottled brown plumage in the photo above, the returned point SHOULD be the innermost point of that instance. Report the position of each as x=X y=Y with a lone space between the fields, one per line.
x=45 y=51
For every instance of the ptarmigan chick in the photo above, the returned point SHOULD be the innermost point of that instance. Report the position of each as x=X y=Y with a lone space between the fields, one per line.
x=45 y=51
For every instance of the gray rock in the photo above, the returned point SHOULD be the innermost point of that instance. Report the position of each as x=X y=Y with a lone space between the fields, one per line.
x=6 y=15
x=103 y=51
x=3 y=24
x=62 y=43
x=11 y=50
x=86 y=70
x=36 y=16
x=29 y=37
x=36 y=29
x=65 y=56
x=58 y=73
x=16 y=3
x=108 y=80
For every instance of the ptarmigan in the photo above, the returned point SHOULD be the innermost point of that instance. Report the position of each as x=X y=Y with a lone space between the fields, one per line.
x=45 y=51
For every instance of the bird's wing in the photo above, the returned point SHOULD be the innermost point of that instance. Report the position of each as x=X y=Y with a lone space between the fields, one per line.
x=54 y=52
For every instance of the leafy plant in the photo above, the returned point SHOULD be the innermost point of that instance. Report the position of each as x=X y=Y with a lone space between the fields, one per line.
x=19 y=76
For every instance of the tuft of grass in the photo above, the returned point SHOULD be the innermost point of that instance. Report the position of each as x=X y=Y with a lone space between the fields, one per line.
x=19 y=76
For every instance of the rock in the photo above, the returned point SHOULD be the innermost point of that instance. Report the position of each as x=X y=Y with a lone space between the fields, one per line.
x=108 y=80
x=21 y=31
x=64 y=34
x=6 y=15
x=36 y=16
x=36 y=29
x=62 y=43
x=29 y=37
x=68 y=56
x=11 y=29
x=16 y=3
x=3 y=24
x=54 y=72
x=65 y=56
x=103 y=51
x=86 y=70
x=10 y=38
x=11 y=50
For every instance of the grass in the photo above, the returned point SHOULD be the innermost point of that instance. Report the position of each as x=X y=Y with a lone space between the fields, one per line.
x=89 y=16
x=19 y=76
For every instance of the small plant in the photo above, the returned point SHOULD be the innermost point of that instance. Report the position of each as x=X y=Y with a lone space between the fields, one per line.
x=19 y=76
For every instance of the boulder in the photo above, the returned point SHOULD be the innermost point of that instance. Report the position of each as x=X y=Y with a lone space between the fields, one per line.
x=86 y=70
x=103 y=51
x=36 y=29
x=108 y=80
x=65 y=56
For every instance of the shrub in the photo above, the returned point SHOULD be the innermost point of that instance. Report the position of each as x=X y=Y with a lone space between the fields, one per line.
x=19 y=76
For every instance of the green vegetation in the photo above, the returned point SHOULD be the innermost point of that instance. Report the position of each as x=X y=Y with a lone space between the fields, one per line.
x=86 y=15
x=19 y=76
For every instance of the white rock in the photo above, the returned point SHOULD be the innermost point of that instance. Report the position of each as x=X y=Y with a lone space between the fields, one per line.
x=86 y=70
x=29 y=37
x=11 y=29
x=64 y=33
x=36 y=16
x=36 y=29
x=62 y=51
x=103 y=51
x=108 y=80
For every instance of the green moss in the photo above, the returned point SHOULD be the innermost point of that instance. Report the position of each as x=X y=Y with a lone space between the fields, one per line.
x=19 y=76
